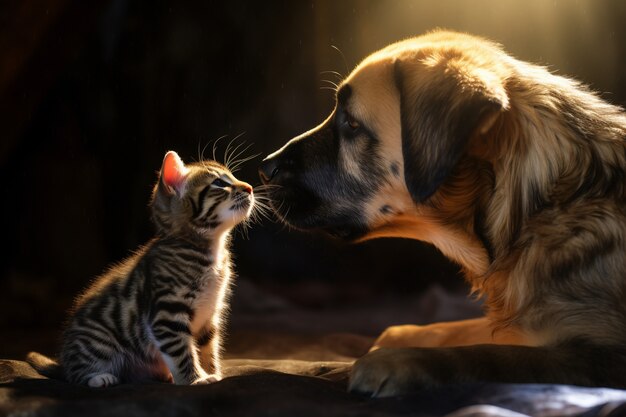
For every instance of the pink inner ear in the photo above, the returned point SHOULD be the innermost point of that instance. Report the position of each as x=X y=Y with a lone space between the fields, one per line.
x=174 y=171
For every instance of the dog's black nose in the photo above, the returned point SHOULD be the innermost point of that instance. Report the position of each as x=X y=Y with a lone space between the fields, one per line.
x=268 y=170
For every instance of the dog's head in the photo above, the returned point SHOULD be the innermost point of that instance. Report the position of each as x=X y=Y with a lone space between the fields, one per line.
x=403 y=120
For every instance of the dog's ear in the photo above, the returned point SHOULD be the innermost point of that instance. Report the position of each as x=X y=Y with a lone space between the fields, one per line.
x=441 y=107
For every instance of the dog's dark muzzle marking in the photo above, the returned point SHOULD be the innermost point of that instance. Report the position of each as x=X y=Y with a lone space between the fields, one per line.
x=276 y=169
x=280 y=166
x=268 y=170
x=309 y=191
x=285 y=173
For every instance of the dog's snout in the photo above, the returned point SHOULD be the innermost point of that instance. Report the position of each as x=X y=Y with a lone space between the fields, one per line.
x=277 y=166
x=268 y=170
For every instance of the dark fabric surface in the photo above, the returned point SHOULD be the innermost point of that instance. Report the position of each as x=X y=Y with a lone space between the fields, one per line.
x=283 y=360
x=293 y=387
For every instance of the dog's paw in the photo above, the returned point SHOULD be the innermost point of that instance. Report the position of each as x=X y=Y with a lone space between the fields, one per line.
x=388 y=372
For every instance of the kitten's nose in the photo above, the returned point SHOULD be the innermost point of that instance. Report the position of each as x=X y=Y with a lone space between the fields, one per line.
x=245 y=187
x=268 y=170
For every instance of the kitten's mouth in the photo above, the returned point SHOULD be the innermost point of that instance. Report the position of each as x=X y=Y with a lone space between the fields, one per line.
x=242 y=206
x=242 y=203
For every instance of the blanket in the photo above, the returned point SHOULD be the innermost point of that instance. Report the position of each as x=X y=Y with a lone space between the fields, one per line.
x=292 y=387
x=286 y=361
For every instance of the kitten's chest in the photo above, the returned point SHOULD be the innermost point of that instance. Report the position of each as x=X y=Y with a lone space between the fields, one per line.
x=211 y=296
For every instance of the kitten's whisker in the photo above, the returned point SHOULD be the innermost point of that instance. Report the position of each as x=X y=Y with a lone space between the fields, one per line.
x=243 y=229
x=226 y=153
x=201 y=153
x=262 y=206
x=236 y=164
x=262 y=199
x=258 y=214
x=215 y=146
x=229 y=150
x=244 y=150
x=235 y=154
x=262 y=210
x=263 y=187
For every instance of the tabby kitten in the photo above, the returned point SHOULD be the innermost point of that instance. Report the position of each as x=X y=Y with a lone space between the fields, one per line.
x=159 y=313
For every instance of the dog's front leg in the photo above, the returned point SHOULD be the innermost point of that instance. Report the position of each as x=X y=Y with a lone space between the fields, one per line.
x=454 y=333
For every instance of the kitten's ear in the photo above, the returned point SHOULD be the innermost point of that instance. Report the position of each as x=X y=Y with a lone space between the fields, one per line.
x=173 y=173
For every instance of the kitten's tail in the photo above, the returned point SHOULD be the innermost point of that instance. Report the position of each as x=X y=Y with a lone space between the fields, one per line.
x=44 y=365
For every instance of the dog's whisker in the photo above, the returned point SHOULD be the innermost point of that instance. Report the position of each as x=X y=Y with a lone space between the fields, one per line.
x=345 y=61
x=331 y=83
x=338 y=75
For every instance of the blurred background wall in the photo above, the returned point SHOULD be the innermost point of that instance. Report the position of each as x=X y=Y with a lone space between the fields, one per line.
x=93 y=93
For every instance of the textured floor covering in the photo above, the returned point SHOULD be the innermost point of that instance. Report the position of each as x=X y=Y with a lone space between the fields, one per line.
x=286 y=361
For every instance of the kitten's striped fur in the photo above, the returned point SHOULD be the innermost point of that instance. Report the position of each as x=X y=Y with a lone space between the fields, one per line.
x=159 y=313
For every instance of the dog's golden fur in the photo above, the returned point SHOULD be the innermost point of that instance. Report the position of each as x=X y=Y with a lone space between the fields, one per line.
x=518 y=175
x=544 y=172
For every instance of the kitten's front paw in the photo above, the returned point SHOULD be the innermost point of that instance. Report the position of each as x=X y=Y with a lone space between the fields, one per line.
x=103 y=380
x=207 y=379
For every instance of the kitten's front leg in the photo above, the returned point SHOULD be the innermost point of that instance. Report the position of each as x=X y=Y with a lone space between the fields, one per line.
x=174 y=340
x=209 y=343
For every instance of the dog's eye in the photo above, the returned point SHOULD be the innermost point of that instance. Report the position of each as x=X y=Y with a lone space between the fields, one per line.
x=350 y=122
x=348 y=125
x=353 y=124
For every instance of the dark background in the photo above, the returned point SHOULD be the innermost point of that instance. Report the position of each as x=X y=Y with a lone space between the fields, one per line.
x=92 y=93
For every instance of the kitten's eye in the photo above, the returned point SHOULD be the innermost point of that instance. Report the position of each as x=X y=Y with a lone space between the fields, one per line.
x=218 y=182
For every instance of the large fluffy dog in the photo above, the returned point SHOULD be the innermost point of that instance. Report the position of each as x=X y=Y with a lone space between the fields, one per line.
x=513 y=172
